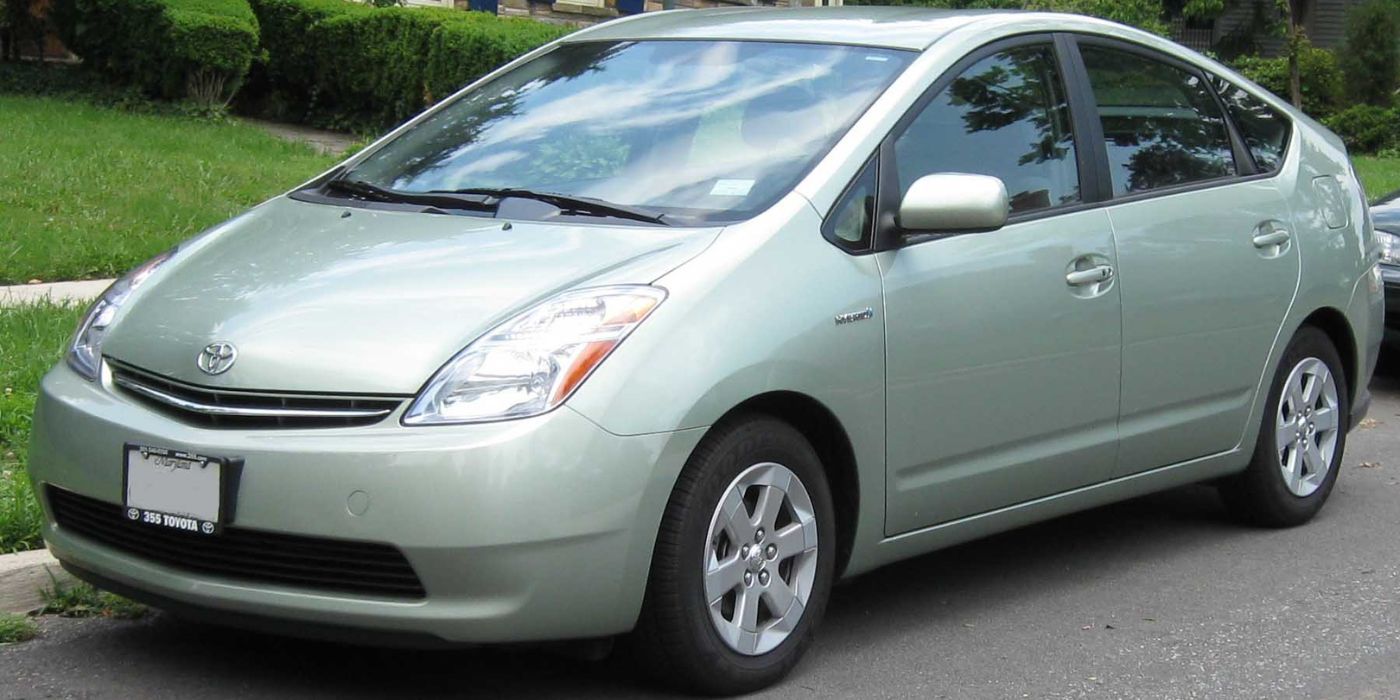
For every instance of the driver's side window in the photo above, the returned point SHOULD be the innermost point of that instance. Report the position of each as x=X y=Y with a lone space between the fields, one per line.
x=1006 y=116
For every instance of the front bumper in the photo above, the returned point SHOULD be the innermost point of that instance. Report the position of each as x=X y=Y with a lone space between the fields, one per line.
x=529 y=530
x=1390 y=275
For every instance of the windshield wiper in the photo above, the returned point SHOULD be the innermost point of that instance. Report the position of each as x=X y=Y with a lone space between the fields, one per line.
x=375 y=193
x=565 y=202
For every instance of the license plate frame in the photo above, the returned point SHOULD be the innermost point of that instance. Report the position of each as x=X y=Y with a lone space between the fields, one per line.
x=169 y=489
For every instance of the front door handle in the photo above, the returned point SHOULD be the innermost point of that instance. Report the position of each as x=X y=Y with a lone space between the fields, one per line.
x=1270 y=238
x=1093 y=275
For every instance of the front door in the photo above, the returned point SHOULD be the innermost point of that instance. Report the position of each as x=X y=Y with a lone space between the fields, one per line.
x=1002 y=347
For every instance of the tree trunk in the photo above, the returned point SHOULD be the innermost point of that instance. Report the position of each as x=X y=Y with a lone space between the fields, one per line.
x=1296 y=8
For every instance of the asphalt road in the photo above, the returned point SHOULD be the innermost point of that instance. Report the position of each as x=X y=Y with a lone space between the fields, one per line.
x=1161 y=597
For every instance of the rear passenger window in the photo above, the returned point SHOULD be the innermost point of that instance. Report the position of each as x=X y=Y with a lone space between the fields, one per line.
x=1161 y=123
x=1006 y=116
x=1263 y=128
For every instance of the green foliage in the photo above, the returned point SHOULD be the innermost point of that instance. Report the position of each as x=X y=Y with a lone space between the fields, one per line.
x=16 y=628
x=78 y=599
x=1367 y=128
x=1371 y=61
x=87 y=191
x=370 y=65
x=32 y=339
x=1143 y=14
x=1323 y=91
x=474 y=44
x=285 y=25
x=169 y=48
x=356 y=66
x=1379 y=175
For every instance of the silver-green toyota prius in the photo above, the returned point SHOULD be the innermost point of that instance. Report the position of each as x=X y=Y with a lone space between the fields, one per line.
x=666 y=326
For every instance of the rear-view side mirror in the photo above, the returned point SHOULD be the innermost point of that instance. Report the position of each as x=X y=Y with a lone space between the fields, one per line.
x=945 y=202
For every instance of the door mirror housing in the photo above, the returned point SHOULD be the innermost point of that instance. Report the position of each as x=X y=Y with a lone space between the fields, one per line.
x=946 y=202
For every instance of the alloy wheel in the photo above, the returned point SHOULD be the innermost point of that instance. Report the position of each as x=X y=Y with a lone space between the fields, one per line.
x=1306 y=426
x=760 y=558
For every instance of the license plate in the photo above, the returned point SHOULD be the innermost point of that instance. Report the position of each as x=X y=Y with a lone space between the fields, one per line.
x=173 y=489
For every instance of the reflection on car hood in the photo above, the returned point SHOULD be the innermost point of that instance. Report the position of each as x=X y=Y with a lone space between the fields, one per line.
x=373 y=302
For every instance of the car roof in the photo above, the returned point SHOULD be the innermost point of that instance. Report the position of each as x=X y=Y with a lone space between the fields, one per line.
x=912 y=28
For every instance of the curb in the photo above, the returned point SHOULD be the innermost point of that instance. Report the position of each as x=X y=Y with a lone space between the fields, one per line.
x=23 y=577
x=56 y=292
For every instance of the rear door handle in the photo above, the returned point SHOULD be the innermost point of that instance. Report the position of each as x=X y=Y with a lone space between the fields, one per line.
x=1270 y=238
x=1093 y=275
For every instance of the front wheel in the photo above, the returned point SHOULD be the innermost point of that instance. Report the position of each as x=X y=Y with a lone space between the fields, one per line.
x=743 y=562
x=1301 y=440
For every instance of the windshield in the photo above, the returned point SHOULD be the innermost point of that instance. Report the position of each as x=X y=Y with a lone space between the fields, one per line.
x=701 y=131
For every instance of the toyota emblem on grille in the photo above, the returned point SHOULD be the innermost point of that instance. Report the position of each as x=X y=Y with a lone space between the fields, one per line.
x=217 y=358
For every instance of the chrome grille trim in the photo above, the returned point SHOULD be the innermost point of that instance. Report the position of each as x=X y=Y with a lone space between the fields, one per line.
x=236 y=408
x=213 y=410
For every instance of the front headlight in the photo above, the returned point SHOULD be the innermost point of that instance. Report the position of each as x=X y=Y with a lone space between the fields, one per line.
x=534 y=361
x=85 y=354
x=1390 y=247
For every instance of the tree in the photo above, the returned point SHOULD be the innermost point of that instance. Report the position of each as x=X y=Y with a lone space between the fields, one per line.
x=1290 y=26
x=1293 y=10
x=1371 y=61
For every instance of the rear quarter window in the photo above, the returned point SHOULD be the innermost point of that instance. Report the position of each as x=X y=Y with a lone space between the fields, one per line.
x=1264 y=129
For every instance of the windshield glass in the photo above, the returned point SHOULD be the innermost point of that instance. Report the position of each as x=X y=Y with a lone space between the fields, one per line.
x=705 y=131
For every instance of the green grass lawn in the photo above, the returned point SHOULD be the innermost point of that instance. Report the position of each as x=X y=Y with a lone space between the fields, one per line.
x=88 y=191
x=32 y=339
x=1379 y=175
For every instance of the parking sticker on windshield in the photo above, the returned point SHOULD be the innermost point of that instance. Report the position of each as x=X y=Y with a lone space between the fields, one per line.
x=732 y=188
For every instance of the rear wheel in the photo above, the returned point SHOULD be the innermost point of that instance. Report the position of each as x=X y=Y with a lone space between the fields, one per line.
x=743 y=562
x=1302 y=438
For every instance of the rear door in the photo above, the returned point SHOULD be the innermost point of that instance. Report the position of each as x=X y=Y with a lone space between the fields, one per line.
x=1206 y=261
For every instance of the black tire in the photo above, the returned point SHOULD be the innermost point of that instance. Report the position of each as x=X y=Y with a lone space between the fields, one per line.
x=1259 y=495
x=675 y=641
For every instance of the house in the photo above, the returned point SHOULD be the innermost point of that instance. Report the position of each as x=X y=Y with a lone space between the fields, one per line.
x=1245 y=27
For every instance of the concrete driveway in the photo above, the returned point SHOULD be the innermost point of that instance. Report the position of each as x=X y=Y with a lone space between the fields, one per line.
x=1160 y=597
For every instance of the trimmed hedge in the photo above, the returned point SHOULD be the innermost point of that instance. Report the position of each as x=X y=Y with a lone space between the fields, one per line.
x=460 y=52
x=170 y=48
x=352 y=65
x=1367 y=128
x=290 y=65
x=1323 y=86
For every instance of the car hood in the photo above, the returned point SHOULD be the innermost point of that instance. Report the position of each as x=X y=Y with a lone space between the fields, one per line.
x=1385 y=213
x=322 y=298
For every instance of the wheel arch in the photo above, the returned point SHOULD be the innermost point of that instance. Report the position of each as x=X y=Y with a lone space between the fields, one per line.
x=1335 y=325
x=829 y=438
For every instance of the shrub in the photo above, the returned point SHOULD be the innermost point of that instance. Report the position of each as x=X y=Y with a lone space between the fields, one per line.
x=285 y=26
x=170 y=48
x=460 y=52
x=1371 y=61
x=370 y=64
x=1367 y=128
x=1320 y=75
x=352 y=65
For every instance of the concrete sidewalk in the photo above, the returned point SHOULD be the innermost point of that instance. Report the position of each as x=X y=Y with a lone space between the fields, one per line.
x=24 y=576
x=79 y=292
